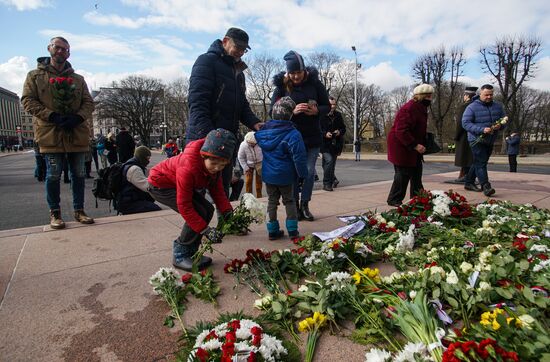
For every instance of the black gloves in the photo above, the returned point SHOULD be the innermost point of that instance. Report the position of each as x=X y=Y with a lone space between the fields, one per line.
x=56 y=118
x=68 y=122
x=71 y=121
x=300 y=182
x=212 y=234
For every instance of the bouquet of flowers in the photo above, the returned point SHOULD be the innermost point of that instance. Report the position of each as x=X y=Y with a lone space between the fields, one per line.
x=499 y=123
x=486 y=350
x=248 y=211
x=237 y=340
x=63 y=93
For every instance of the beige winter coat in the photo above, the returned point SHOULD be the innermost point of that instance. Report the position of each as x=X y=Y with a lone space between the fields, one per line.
x=38 y=100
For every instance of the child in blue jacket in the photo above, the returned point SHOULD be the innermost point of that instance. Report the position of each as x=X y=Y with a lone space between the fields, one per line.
x=284 y=160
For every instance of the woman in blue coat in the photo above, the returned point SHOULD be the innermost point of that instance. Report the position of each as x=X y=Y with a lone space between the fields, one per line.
x=302 y=84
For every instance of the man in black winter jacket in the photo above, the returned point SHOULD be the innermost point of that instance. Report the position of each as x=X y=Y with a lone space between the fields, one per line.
x=125 y=145
x=333 y=128
x=217 y=92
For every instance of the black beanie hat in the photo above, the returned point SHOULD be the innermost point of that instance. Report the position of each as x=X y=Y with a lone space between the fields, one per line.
x=294 y=61
x=219 y=143
x=470 y=91
x=141 y=153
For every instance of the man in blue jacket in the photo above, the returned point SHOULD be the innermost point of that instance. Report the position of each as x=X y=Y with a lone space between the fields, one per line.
x=217 y=92
x=479 y=119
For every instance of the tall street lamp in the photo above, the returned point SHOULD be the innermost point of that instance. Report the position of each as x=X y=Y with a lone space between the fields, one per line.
x=164 y=126
x=355 y=104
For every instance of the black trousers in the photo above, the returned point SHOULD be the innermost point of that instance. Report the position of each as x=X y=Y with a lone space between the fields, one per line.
x=401 y=180
x=188 y=236
x=513 y=161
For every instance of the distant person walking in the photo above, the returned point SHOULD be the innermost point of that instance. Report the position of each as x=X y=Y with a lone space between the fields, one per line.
x=217 y=93
x=463 y=153
x=250 y=157
x=479 y=119
x=111 y=148
x=125 y=145
x=334 y=129
x=406 y=141
x=357 y=150
x=512 y=149
x=59 y=134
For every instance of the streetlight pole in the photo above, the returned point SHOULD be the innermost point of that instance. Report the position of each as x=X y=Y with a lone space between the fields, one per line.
x=164 y=113
x=355 y=105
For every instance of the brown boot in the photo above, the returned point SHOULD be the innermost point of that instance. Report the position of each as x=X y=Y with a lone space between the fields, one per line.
x=81 y=217
x=56 y=222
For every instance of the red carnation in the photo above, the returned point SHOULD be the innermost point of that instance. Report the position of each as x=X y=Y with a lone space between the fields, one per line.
x=251 y=357
x=186 y=278
x=52 y=80
x=202 y=355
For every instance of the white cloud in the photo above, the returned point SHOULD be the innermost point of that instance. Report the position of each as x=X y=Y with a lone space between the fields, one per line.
x=23 y=5
x=542 y=75
x=13 y=74
x=385 y=76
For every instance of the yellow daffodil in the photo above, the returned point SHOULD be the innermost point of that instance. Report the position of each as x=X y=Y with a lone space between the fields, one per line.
x=495 y=325
x=319 y=319
x=356 y=277
x=303 y=326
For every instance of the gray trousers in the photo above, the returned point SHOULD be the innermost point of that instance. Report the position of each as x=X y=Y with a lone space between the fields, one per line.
x=204 y=208
x=274 y=193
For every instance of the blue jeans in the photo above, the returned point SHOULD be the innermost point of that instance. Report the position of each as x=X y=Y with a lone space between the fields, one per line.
x=307 y=188
x=54 y=167
x=481 y=154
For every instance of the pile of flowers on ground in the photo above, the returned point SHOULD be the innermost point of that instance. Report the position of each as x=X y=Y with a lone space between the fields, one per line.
x=472 y=282
x=460 y=264
x=242 y=338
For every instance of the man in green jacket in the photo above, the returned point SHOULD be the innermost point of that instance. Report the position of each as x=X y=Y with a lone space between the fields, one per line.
x=60 y=125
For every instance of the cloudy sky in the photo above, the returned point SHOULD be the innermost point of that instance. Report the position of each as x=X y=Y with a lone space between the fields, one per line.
x=161 y=38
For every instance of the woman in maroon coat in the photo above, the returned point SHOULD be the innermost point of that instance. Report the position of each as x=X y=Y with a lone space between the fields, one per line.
x=406 y=144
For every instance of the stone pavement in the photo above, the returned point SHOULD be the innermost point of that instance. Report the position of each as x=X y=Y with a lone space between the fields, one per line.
x=83 y=294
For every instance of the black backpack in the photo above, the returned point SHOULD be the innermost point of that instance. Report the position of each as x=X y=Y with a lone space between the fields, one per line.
x=108 y=183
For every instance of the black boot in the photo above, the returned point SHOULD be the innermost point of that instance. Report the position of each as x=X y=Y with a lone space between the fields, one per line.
x=305 y=211
x=299 y=211
x=488 y=190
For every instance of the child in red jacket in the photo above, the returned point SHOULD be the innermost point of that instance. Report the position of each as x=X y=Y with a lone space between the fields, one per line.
x=180 y=182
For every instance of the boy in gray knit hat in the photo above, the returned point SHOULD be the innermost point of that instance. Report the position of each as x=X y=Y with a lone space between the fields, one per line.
x=284 y=161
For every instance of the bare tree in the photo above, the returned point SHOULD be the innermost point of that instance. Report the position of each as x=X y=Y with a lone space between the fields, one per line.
x=259 y=75
x=343 y=75
x=511 y=61
x=135 y=102
x=370 y=108
x=325 y=62
x=394 y=100
x=177 y=105
x=441 y=68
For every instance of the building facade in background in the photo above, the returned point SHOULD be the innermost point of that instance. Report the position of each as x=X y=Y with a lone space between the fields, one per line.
x=15 y=123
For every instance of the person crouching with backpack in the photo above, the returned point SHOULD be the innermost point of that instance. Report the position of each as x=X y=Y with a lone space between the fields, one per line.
x=180 y=182
x=133 y=196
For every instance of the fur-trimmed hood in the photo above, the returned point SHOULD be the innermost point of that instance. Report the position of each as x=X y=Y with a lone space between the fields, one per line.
x=312 y=77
